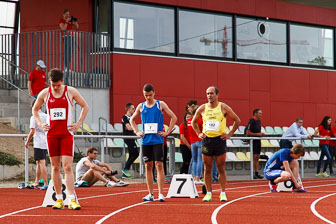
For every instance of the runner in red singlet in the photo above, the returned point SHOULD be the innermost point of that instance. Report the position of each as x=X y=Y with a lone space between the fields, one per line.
x=60 y=129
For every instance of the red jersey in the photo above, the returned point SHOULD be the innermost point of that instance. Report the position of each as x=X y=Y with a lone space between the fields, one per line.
x=324 y=132
x=184 y=131
x=38 y=80
x=332 y=134
x=192 y=134
x=59 y=114
x=69 y=27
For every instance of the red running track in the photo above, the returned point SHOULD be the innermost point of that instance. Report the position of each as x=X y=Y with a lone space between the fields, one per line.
x=249 y=202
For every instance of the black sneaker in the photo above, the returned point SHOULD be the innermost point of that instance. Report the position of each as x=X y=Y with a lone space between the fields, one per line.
x=260 y=176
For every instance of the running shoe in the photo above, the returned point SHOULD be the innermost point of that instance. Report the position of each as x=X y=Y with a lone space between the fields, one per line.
x=274 y=188
x=318 y=175
x=126 y=174
x=149 y=197
x=161 y=198
x=110 y=184
x=74 y=205
x=207 y=198
x=299 y=190
x=59 y=204
x=44 y=187
x=222 y=197
x=324 y=174
x=121 y=184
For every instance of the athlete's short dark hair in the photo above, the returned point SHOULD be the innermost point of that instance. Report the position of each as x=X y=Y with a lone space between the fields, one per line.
x=148 y=88
x=255 y=111
x=55 y=75
x=128 y=106
x=91 y=150
x=298 y=149
x=216 y=89
x=192 y=102
x=299 y=119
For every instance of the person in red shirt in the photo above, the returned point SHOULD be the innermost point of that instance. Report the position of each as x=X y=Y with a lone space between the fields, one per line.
x=37 y=79
x=323 y=131
x=196 y=148
x=67 y=23
x=185 y=144
x=332 y=149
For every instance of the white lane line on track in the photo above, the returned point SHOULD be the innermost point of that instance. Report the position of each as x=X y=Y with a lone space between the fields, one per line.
x=106 y=195
x=56 y=215
x=23 y=210
x=312 y=208
x=214 y=214
x=120 y=210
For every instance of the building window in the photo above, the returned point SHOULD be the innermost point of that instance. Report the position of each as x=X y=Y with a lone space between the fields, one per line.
x=143 y=27
x=311 y=45
x=261 y=40
x=205 y=34
x=7 y=17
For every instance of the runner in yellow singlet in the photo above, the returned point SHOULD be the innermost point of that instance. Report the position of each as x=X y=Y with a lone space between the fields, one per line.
x=214 y=138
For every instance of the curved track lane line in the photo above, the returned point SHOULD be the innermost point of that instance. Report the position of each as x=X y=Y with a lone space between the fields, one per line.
x=22 y=210
x=312 y=208
x=120 y=210
x=214 y=214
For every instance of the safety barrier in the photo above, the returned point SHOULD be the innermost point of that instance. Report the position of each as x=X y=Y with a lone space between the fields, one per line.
x=171 y=147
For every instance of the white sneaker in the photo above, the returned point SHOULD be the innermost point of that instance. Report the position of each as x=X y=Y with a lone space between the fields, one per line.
x=148 y=197
x=110 y=184
x=161 y=198
x=198 y=182
x=121 y=184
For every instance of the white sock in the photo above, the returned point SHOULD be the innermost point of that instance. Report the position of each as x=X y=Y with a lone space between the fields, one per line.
x=59 y=196
x=72 y=196
x=223 y=192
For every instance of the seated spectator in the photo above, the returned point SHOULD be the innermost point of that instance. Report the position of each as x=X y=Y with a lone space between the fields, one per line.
x=92 y=170
x=295 y=130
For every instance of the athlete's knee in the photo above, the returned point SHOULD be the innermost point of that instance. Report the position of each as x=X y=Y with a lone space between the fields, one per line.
x=149 y=165
x=285 y=175
x=67 y=168
x=159 y=165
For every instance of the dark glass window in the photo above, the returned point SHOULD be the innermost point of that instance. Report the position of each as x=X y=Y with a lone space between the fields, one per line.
x=205 y=34
x=311 y=45
x=261 y=40
x=144 y=27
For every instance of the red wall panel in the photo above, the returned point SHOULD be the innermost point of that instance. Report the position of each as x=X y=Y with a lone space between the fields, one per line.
x=205 y=75
x=318 y=86
x=260 y=78
x=285 y=113
x=260 y=100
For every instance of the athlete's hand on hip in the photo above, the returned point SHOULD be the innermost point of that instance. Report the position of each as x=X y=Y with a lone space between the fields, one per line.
x=45 y=127
x=73 y=127
x=140 y=133
x=201 y=135
x=225 y=136
x=163 y=134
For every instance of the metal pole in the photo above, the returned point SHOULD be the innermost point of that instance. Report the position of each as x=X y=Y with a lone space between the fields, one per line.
x=251 y=159
x=102 y=153
x=18 y=121
x=141 y=168
x=26 y=165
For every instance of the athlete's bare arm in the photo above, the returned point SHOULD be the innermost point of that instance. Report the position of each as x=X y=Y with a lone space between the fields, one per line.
x=288 y=169
x=236 y=120
x=172 y=122
x=38 y=103
x=74 y=94
x=133 y=124
x=196 y=117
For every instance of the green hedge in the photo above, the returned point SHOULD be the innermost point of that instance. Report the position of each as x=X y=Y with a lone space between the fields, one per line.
x=9 y=159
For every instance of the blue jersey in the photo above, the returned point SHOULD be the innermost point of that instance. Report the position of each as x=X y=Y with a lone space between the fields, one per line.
x=275 y=162
x=152 y=123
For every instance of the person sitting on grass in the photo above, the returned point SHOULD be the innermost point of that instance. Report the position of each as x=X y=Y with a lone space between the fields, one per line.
x=283 y=165
x=91 y=170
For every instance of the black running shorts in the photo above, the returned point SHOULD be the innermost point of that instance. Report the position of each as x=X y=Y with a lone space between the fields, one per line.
x=152 y=151
x=213 y=146
x=40 y=154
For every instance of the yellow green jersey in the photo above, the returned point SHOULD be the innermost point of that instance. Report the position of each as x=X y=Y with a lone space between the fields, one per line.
x=214 y=122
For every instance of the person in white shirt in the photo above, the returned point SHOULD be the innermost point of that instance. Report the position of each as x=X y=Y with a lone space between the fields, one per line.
x=40 y=149
x=295 y=130
x=92 y=170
